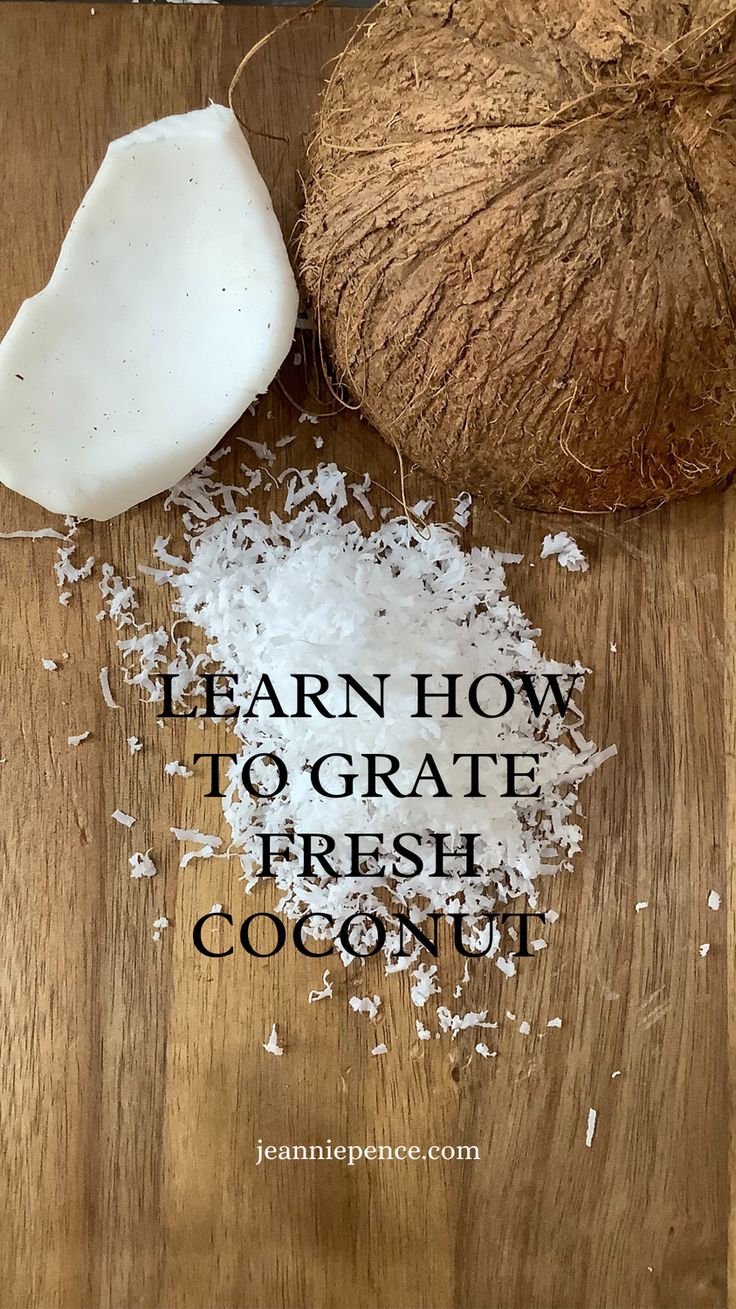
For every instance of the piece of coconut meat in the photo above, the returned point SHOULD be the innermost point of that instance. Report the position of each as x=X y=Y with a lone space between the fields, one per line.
x=171 y=307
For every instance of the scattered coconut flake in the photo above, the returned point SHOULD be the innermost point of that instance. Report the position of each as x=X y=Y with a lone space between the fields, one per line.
x=189 y=834
x=590 y=1130
x=67 y=571
x=422 y=508
x=202 y=852
x=539 y=943
x=260 y=450
x=366 y=1005
x=134 y=745
x=613 y=647
x=308 y=418
x=616 y=1074
x=255 y=477
x=455 y=1023
x=423 y=1032
x=551 y=916
x=158 y=926
x=360 y=493
x=149 y=652
x=176 y=769
x=272 y=1044
x=77 y=740
x=482 y=1049
x=703 y=949
x=714 y=900
x=49 y=665
x=463 y=504
x=64 y=597
x=36 y=534
x=524 y=1028
x=216 y=909
x=425 y=984
x=119 y=600
x=568 y=552
x=325 y=993
x=380 y=1049
x=641 y=904
x=507 y=966
x=106 y=692
x=555 y=1022
x=125 y=820
x=142 y=865
x=285 y=440
x=160 y=545
x=160 y=576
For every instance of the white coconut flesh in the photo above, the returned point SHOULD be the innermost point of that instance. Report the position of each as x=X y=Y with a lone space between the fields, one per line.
x=171 y=307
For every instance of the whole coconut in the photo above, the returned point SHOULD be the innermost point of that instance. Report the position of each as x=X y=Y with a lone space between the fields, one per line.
x=520 y=243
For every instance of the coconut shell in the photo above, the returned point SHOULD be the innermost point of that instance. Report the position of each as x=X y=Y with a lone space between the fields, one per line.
x=519 y=243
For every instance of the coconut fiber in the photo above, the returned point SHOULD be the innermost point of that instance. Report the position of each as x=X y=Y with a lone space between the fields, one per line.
x=519 y=243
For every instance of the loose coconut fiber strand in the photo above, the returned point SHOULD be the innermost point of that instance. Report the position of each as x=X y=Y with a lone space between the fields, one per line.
x=520 y=243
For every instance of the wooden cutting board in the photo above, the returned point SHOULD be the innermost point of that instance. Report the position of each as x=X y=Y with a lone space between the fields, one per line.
x=133 y=1079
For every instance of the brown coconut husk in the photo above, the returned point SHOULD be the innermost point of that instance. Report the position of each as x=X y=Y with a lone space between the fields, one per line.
x=520 y=243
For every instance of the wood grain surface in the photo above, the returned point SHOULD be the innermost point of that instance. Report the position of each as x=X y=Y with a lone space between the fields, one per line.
x=134 y=1084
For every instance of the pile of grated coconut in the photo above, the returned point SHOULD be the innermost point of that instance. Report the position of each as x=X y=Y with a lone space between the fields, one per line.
x=307 y=590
